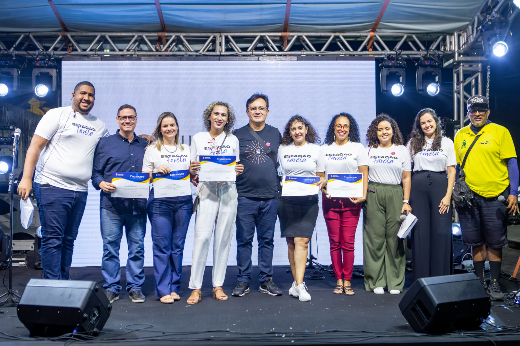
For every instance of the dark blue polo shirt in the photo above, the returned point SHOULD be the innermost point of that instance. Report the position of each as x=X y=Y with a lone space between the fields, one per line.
x=116 y=154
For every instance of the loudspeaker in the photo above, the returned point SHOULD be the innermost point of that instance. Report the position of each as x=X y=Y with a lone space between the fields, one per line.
x=57 y=307
x=444 y=303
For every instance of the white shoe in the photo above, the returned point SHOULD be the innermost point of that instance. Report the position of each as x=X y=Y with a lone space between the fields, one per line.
x=292 y=290
x=379 y=290
x=395 y=292
x=302 y=292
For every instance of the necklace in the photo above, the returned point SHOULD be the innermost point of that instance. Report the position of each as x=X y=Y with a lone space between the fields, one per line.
x=171 y=152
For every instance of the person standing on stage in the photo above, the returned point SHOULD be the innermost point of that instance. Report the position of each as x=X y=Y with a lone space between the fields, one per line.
x=122 y=152
x=433 y=158
x=342 y=153
x=492 y=174
x=169 y=216
x=299 y=156
x=257 y=191
x=388 y=166
x=217 y=206
x=66 y=138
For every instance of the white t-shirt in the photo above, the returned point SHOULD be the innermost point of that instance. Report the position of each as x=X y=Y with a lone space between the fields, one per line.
x=345 y=158
x=304 y=160
x=203 y=144
x=438 y=160
x=172 y=156
x=386 y=165
x=66 y=162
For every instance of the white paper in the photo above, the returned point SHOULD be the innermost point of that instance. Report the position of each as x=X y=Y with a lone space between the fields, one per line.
x=131 y=185
x=345 y=185
x=407 y=225
x=175 y=184
x=26 y=212
x=217 y=168
x=300 y=186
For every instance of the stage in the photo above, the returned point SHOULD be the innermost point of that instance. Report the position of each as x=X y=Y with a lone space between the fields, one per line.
x=259 y=319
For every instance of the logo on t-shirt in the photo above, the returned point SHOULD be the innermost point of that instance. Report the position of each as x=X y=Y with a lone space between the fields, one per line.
x=338 y=156
x=84 y=130
x=384 y=158
x=296 y=158
x=175 y=158
x=255 y=153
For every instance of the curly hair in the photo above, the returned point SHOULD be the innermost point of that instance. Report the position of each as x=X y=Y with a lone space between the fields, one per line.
x=353 y=134
x=231 y=116
x=311 y=136
x=417 y=140
x=373 y=141
x=157 y=137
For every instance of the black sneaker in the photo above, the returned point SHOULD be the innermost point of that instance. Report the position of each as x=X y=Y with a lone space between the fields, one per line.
x=494 y=291
x=270 y=288
x=112 y=296
x=137 y=297
x=241 y=289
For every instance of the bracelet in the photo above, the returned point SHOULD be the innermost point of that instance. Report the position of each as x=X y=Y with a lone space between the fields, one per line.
x=406 y=201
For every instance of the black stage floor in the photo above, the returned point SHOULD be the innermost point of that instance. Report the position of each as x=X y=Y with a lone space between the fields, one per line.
x=259 y=319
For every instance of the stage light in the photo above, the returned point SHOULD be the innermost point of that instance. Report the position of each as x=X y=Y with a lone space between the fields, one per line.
x=494 y=33
x=455 y=229
x=517 y=3
x=41 y=90
x=397 y=89
x=433 y=89
x=4 y=90
x=8 y=79
x=429 y=75
x=500 y=48
x=6 y=162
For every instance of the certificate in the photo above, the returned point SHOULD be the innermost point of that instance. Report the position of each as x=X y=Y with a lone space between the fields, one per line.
x=175 y=184
x=345 y=185
x=131 y=185
x=217 y=168
x=300 y=186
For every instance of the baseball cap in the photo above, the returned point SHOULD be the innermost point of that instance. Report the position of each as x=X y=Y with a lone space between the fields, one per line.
x=478 y=101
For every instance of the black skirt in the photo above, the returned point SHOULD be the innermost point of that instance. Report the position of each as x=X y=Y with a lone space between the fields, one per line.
x=298 y=216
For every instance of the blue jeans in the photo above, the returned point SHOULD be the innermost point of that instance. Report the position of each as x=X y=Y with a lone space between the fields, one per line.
x=260 y=214
x=170 y=218
x=112 y=232
x=60 y=212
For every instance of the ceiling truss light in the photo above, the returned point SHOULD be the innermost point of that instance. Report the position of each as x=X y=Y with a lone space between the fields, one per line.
x=44 y=73
x=428 y=75
x=393 y=74
x=494 y=33
x=8 y=80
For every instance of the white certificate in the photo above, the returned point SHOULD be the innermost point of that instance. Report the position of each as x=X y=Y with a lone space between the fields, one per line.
x=175 y=184
x=300 y=186
x=217 y=168
x=131 y=185
x=345 y=185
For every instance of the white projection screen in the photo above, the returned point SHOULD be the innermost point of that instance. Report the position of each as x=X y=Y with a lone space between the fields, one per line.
x=315 y=89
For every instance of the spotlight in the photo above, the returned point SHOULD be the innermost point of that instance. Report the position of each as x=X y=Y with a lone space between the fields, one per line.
x=455 y=229
x=433 y=89
x=517 y=3
x=397 y=89
x=500 y=48
x=393 y=73
x=44 y=73
x=428 y=75
x=41 y=90
x=8 y=79
x=494 y=33
x=3 y=89
x=6 y=163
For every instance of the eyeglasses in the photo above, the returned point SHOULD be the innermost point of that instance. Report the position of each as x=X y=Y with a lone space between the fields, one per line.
x=127 y=118
x=342 y=127
x=254 y=109
x=476 y=111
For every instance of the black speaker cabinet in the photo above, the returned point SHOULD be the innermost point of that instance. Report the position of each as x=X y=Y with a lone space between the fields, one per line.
x=57 y=307
x=444 y=303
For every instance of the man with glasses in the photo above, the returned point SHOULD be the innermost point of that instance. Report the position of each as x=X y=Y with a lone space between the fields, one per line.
x=122 y=152
x=492 y=174
x=257 y=190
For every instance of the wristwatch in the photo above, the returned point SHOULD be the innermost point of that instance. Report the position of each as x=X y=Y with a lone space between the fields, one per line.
x=406 y=201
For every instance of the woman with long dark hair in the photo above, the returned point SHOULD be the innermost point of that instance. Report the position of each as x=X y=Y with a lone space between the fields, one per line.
x=342 y=153
x=299 y=156
x=434 y=162
x=388 y=166
x=169 y=216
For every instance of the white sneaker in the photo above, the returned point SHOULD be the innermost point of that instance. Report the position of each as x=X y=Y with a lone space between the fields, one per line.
x=395 y=292
x=302 y=292
x=292 y=290
x=379 y=290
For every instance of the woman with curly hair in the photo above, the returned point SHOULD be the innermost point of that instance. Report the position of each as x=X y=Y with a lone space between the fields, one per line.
x=388 y=165
x=299 y=156
x=217 y=207
x=169 y=216
x=342 y=153
x=434 y=162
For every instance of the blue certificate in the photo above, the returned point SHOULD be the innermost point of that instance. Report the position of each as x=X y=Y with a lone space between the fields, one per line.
x=175 y=184
x=345 y=185
x=131 y=185
x=300 y=186
x=217 y=168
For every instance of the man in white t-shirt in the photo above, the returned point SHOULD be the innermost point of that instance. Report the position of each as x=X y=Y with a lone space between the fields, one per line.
x=60 y=157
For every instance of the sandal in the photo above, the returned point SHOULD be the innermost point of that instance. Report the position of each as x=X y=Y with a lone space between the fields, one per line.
x=338 y=289
x=167 y=299
x=218 y=294
x=348 y=290
x=195 y=297
x=175 y=296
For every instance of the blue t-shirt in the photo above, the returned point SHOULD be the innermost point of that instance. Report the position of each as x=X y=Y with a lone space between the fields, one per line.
x=260 y=177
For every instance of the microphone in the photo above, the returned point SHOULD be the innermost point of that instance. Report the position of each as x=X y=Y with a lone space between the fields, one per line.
x=402 y=217
x=502 y=199
x=17 y=133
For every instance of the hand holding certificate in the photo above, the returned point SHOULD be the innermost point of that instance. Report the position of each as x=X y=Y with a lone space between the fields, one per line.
x=300 y=186
x=345 y=185
x=217 y=168
x=174 y=184
x=131 y=185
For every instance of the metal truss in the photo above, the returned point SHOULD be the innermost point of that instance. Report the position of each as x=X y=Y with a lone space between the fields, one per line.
x=467 y=81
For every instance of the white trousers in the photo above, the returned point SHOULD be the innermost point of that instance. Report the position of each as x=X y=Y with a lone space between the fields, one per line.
x=217 y=210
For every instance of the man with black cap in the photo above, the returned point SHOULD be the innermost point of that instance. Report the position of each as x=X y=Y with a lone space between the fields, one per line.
x=492 y=174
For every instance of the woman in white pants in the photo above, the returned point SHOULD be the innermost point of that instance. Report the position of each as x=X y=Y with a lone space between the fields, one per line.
x=217 y=206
